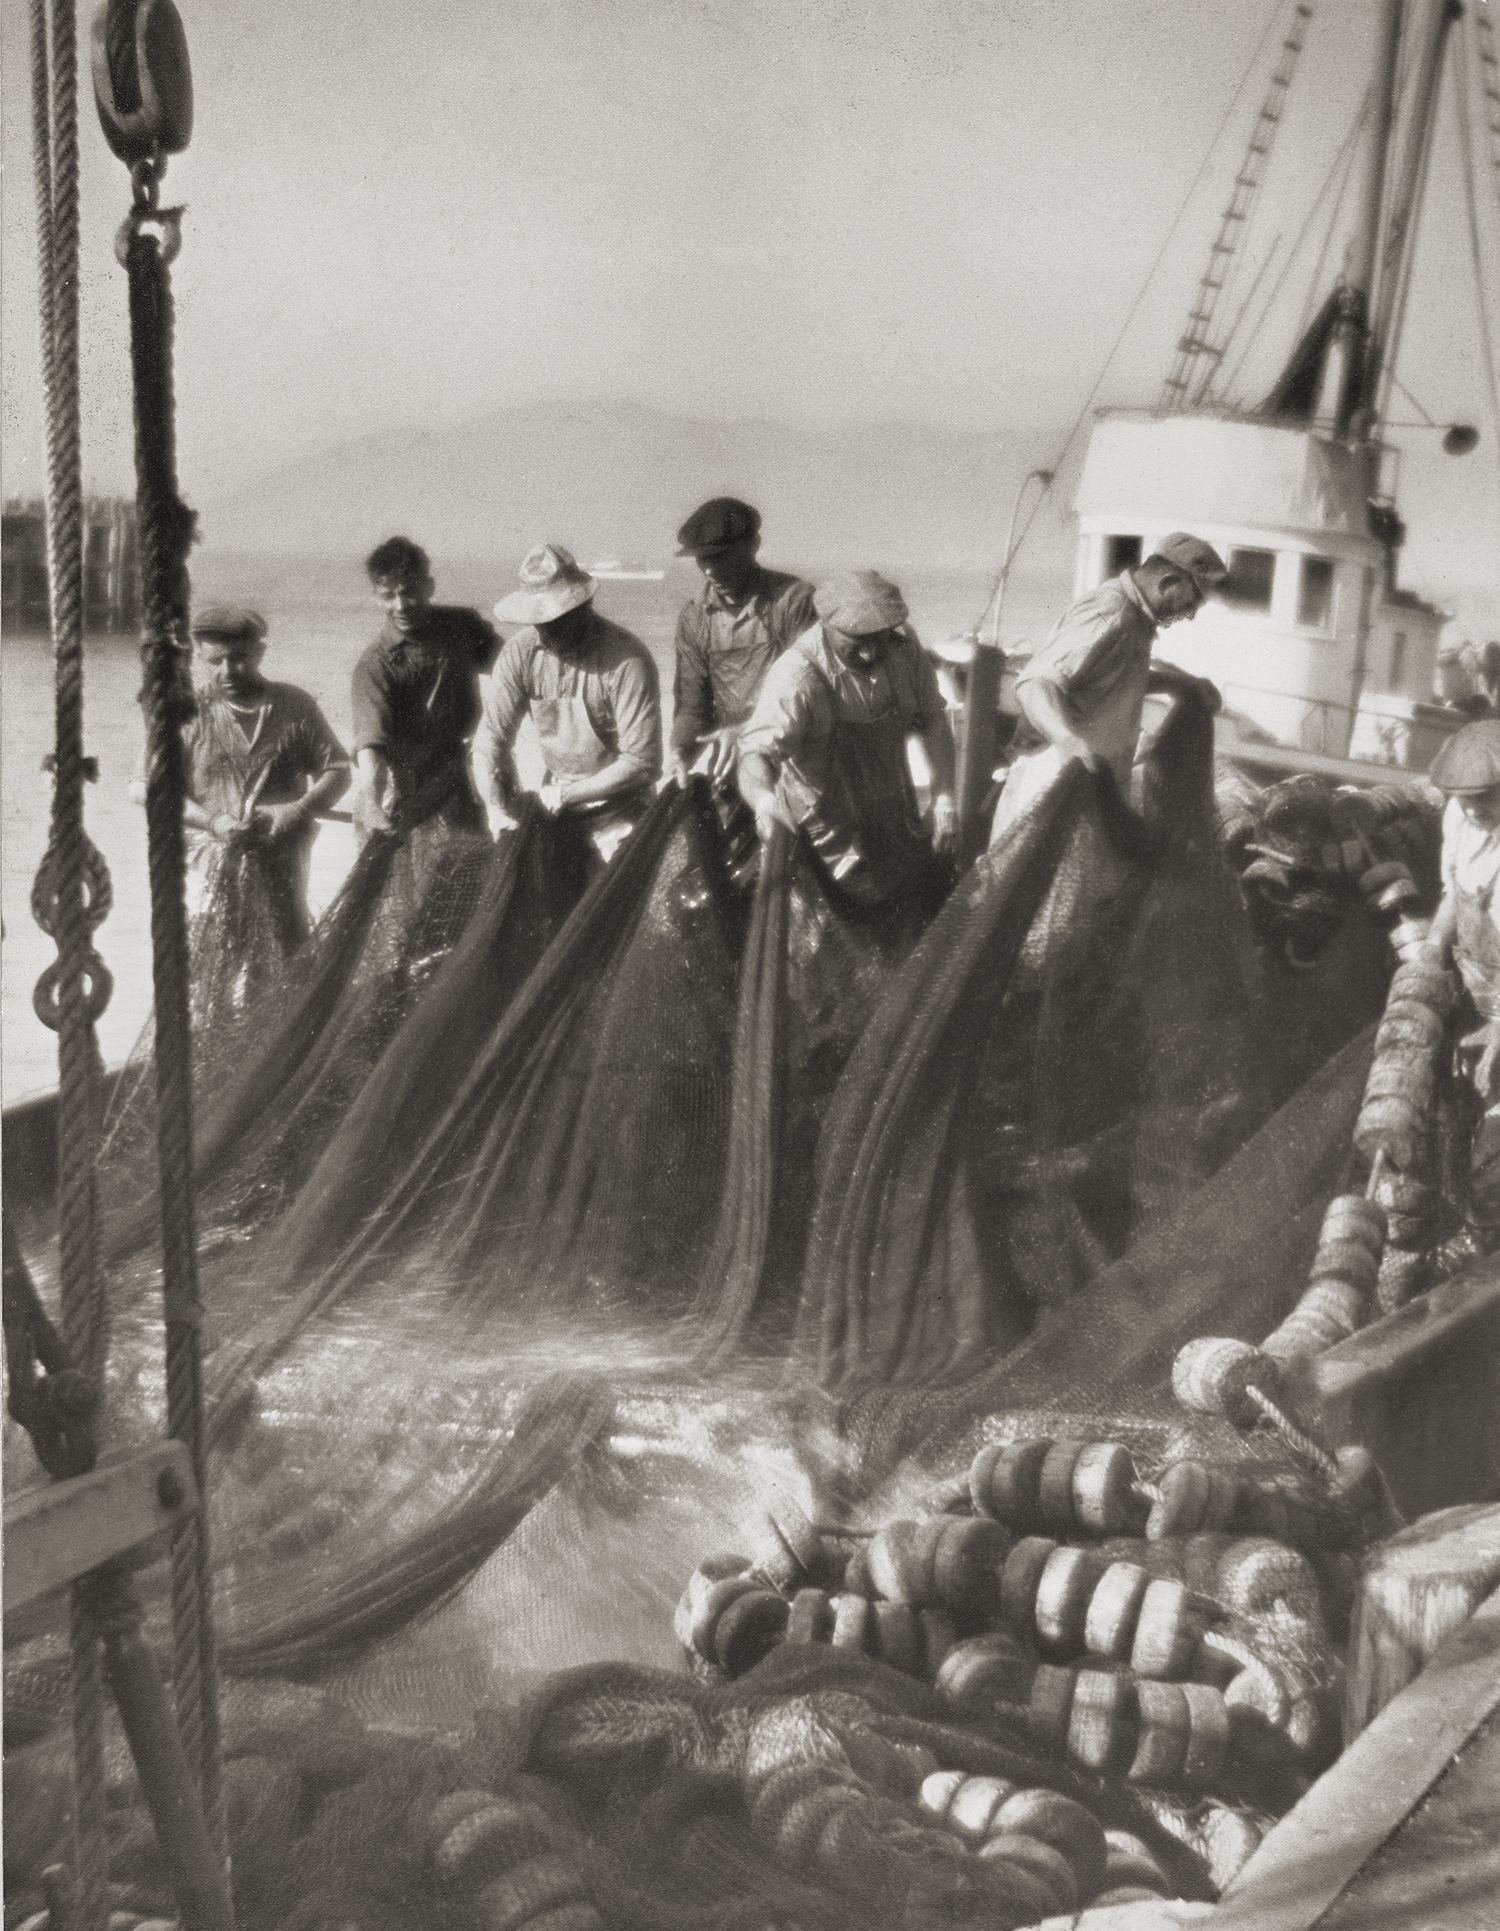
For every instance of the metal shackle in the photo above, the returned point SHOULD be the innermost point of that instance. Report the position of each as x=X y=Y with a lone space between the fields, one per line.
x=143 y=82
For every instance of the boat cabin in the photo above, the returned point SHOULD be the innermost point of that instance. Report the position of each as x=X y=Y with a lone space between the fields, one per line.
x=1310 y=639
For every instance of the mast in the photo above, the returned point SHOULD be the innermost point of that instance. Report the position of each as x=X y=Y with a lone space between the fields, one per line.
x=1358 y=362
x=1401 y=237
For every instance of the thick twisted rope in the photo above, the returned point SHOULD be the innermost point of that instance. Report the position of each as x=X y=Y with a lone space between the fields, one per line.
x=166 y=527
x=54 y=96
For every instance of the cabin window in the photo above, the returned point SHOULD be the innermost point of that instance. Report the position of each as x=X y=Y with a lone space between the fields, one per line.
x=1315 y=597
x=1121 y=553
x=1398 y=659
x=1248 y=586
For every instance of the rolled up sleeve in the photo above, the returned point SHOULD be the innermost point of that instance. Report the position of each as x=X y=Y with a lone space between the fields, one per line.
x=787 y=714
x=1082 y=651
x=504 y=700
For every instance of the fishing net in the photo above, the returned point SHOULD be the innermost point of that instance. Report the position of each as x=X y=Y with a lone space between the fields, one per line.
x=517 y=1194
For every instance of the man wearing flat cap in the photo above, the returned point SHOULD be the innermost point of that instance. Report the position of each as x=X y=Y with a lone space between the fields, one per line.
x=1082 y=694
x=1466 y=929
x=729 y=635
x=415 y=700
x=591 y=691
x=825 y=748
x=261 y=764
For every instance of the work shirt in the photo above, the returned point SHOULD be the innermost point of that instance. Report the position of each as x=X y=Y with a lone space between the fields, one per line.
x=265 y=749
x=1099 y=657
x=1471 y=872
x=600 y=702
x=835 y=733
x=724 y=650
x=415 y=699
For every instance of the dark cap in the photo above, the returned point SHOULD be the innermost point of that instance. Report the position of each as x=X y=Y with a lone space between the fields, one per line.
x=1470 y=760
x=1200 y=560
x=228 y=622
x=718 y=524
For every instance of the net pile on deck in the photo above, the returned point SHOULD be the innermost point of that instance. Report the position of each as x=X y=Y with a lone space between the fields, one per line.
x=409 y=1510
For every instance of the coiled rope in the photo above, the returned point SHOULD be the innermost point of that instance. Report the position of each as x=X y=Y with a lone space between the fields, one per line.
x=68 y=995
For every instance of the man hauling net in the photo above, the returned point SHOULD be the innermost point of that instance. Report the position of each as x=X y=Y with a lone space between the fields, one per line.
x=825 y=749
x=590 y=690
x=261 y=763
x=1082 y=694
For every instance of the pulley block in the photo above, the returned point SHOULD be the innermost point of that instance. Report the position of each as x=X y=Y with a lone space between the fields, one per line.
x=143 y=83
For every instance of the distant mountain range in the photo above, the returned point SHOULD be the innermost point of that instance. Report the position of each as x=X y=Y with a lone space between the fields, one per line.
x=617 y=478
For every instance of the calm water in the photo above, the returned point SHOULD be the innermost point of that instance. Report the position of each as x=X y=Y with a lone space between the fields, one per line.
x=321 y=617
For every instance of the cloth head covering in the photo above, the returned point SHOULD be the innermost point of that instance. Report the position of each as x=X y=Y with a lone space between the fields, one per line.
x=860 y=602
x=230 y=622
x=1470 y=760
x=719 y=524
x=1200 y=560
x=552 y=584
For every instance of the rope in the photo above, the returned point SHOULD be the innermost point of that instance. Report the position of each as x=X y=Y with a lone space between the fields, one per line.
x=166 y=533
x=1295 y=1439
x=74 y=982
x=1161 y=253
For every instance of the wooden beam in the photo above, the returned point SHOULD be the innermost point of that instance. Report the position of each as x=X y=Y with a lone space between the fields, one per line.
x=1320 y=1846
x=55 y=1533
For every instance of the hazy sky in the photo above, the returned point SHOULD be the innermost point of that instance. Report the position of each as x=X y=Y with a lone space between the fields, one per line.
x=802 y=209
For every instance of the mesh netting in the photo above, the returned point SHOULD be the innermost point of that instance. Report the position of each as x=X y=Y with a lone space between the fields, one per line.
x=507 y=1157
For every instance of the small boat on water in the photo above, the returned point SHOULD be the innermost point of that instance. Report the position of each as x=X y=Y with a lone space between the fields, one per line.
x=616 y=570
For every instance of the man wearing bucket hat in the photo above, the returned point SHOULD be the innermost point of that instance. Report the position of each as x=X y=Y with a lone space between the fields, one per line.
x=415 y=699
x=729 y=635
x=1467 y=928
x=591 y=691
x=825 y=748
x=1082 y=694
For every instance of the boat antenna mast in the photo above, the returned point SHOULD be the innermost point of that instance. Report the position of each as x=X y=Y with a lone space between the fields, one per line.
x=1187 y=382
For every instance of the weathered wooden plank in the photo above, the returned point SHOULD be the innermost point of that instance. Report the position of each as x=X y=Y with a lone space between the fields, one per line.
x=1318 y=1848
x=1418 y=1389
x=55 y=1533
x=1415 y=1588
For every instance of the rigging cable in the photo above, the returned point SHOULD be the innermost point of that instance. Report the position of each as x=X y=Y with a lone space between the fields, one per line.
x=1465 y=138
x=1342 y=166
x=1015 y=548
x=69 y=896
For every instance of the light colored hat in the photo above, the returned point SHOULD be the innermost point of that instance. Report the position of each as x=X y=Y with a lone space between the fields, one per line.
x=1470 y=760
x=230 y=622
x=1201 y=560
x=552 y=584
x=860 y=602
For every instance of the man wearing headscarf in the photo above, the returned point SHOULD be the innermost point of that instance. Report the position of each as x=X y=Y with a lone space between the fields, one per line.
x=591 y=691
x=729 y=635
x=1082 y=694
x=825 y=750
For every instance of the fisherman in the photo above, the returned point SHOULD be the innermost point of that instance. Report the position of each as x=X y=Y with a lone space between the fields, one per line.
x=1467 y=928
x=591 y=690
x=1453 y=680
x=415 y=699
x=261 y=764
x=1082 y=694
x=729 y=635
x=825 y=749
